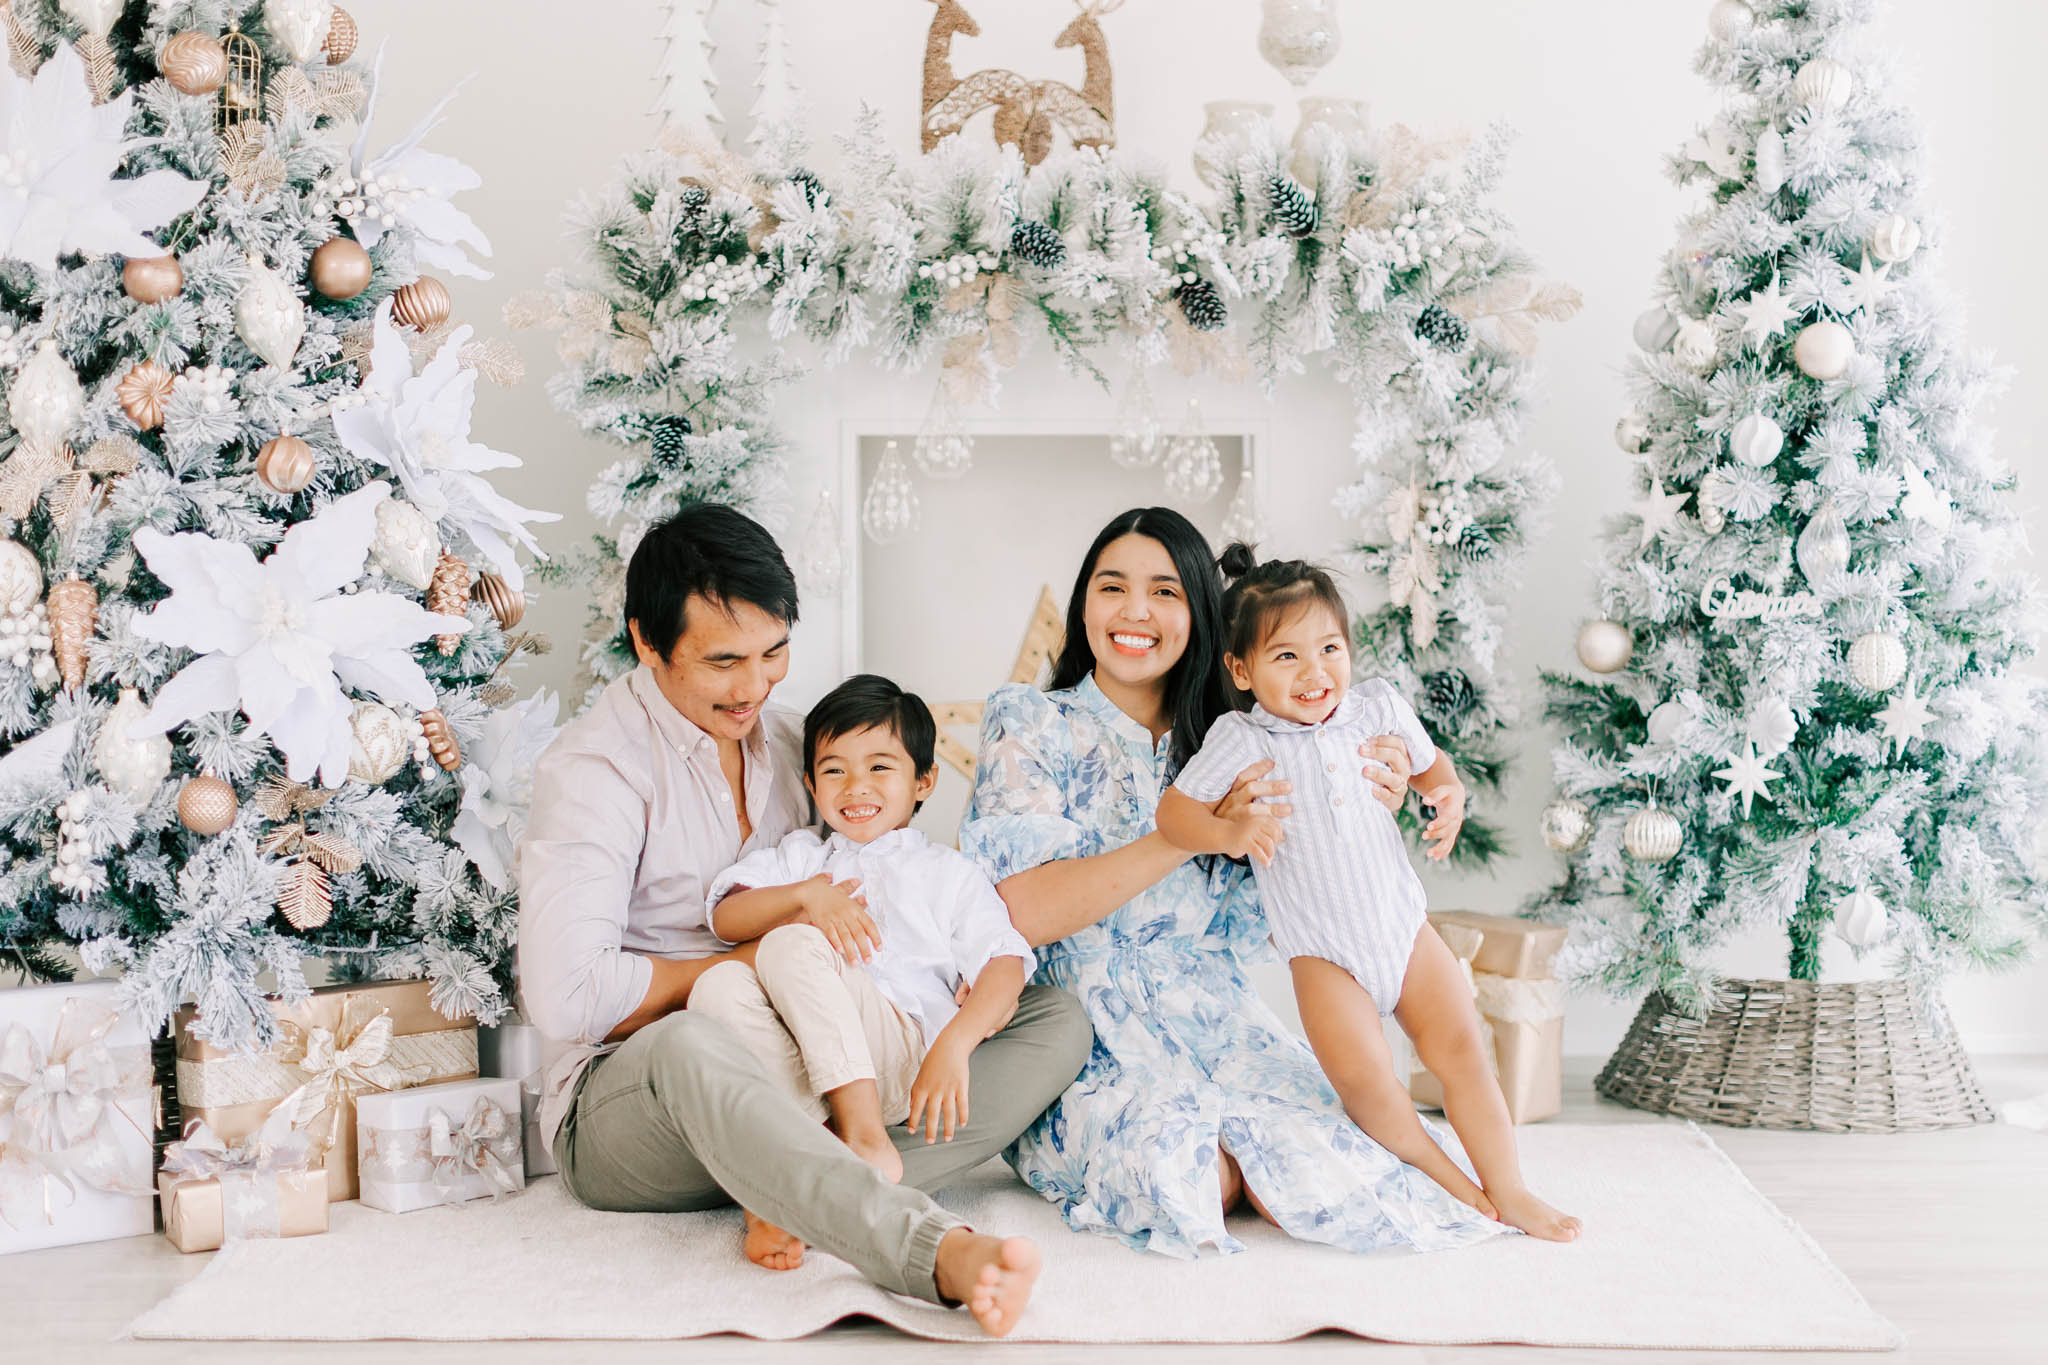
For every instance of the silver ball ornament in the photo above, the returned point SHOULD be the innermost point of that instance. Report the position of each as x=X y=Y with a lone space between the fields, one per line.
x=1652 y=835
x=1566 y=825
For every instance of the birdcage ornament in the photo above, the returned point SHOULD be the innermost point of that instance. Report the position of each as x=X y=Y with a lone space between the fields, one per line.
x=241 y=95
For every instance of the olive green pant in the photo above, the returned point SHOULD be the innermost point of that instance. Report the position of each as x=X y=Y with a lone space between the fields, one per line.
x=683 y=1117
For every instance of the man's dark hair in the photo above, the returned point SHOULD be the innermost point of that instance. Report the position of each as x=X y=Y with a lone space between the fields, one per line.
x=869 y=699
x=711 y=551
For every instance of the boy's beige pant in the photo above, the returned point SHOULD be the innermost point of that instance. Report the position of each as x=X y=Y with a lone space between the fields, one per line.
x=815 y=1022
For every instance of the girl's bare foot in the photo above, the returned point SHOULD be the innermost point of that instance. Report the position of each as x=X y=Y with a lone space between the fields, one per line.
x=770 y=1247
x=1521 y=1209
x=880 y=1153
x=991 y=1278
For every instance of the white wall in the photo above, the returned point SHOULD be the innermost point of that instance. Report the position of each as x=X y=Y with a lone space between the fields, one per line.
x=1600 y=91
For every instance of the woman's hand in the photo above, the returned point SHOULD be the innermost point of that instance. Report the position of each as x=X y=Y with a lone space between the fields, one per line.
x=1448 y=803
x=839 y=912
x=1258 y=832
x=1387 y=769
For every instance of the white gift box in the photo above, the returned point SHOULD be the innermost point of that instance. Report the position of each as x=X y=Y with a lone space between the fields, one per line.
x=439 y=1144
x=76 y=1118
x=513 y=1050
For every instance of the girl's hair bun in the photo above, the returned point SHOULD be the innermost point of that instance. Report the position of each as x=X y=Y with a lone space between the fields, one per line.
x=1238 y=559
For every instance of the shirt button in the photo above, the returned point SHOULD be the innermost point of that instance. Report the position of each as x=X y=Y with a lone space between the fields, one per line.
x=1331 y=766
x=725 y=796
x=1336 y=800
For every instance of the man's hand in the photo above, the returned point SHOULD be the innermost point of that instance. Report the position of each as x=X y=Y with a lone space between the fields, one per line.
x=938 y=1096
x=839 y=912
x=1448 y=805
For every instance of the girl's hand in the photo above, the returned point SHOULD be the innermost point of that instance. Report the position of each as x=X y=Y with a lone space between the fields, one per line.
x=839 y=912
x=939 y=1094
x=1387 y=769
x=1448 y=804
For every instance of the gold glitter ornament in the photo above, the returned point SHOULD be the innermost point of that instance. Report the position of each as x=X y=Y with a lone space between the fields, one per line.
x=506 y=602
x=74 y=606
x=206 y=805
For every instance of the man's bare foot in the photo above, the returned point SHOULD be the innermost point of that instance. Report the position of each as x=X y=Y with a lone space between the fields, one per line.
x=991 y=1277
x=1521 y=1209
x=880 y=1153
x=770 y=1247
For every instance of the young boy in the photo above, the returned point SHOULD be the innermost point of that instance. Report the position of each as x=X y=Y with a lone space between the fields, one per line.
x=884 y=959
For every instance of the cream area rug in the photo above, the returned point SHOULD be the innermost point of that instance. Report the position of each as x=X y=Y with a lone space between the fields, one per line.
x=1680 y=1251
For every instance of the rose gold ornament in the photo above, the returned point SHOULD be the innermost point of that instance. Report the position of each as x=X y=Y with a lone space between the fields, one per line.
x=194 y=63
x=73 y=609
x=285 y=464
x=152 y=279
x=341 y=268
x=143 y=391
x=424 y=304
x=441 y=741
x=506 y=602
x=341 y=37
x=206 y=805
x=448 y=595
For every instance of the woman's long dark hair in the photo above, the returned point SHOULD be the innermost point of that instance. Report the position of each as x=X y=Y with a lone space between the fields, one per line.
x=1195 y=694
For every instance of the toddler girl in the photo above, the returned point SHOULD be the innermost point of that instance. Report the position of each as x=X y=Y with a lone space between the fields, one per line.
x=1345 y=906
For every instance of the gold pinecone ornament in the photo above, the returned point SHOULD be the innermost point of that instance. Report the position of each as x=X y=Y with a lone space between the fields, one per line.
x=74 y=607
x=441 y=741
x=448 y=595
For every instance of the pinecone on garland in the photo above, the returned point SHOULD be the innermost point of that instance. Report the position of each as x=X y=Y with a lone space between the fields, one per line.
x=666 y=439
x=1202 y=305
x=694 y=198
x=814 y=188
x=1439 y=326
x=1448 y=696
x=1292 y=206
x=1036 y=244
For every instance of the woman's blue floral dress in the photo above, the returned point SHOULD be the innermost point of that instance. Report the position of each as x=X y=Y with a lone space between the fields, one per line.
x=1186 y=1055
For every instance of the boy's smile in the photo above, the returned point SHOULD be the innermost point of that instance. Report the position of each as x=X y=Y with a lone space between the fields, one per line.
x=865 y=784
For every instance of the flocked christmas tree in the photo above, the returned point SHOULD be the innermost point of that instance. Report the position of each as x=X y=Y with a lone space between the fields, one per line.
x=255 y=590
x=1811 y=719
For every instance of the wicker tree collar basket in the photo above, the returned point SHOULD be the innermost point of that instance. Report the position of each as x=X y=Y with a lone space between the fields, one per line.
x=1862 y=1057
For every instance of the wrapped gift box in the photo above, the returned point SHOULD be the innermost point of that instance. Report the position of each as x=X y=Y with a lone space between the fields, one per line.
x=204 y=1215
x=340 y=1044
x=439 y=1144
x=512 y=1050
x=76 y=1172
x=1520 y=1004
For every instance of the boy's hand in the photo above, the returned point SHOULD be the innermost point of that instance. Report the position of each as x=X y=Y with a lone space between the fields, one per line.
x=938 y=1096
x=839 y=912
x=966 y=989
x=1254 y=833
x=1447 y=804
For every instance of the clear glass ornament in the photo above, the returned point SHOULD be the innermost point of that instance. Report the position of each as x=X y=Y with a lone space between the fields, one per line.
x=1244 y=521
x=1823 y=547
x=821 y=564
x=1194 y=466
x=1226 y=135
x=1136 y=442
x=890 y=506
x=1298 y=37
x=943 y=449
x=1345 y=117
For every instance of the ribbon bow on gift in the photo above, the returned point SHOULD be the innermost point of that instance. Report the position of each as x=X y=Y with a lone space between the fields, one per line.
x=203 y=1154
x=340 y=1064
x=60 y=1111
x=459 y=1153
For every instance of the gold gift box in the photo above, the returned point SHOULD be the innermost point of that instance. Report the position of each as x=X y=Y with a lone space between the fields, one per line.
x=195 y=1212
x=234 y=1092
x=1522 y=1007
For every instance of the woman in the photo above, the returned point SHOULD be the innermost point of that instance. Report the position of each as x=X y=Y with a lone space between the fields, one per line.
x=1196 y=1093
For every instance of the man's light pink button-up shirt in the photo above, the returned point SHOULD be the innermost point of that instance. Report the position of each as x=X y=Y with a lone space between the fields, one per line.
x=632 y=819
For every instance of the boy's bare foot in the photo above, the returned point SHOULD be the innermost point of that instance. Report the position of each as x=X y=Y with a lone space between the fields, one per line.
x=1521 y=1209
x=770 y=1247
x=992 y=1278
x=880 y=1153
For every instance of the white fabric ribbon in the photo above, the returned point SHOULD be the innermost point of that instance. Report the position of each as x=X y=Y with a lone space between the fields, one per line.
x=472 y=1149
x=60 y=1111
x=339 y=1065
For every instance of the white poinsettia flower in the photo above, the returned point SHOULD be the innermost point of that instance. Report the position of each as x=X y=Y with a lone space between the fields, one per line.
x=280 y=639
x=497 y=785
x=405 y=186
x=417 y=426
x=58 y=158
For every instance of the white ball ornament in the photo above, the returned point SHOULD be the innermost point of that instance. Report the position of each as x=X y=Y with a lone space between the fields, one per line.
x=1695 y=346
x=21 y=578
x=1756 y=440
x=1877 y=661
x=1730 y=19
x=1632 y=433
x=1566 y=825
x=1824 y=85
x=381 y=743
x=1861 y=919
x=1666 y=719
x=1652 y=835
x=1656 y=329
x=1772 y=727
x=269 y=316
x=1894 y=238
x=1605 y=646
x=407 y=545
x=133 y=767
x=1770 y=161
x=1824 y=350
x=45 y=400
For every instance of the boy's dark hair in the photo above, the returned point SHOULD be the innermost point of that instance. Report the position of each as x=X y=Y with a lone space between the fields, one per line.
x=711 y=551
x=869 y=699
x=1261 y=593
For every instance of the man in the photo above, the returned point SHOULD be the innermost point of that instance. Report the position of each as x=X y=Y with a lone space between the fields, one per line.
x=678 y=769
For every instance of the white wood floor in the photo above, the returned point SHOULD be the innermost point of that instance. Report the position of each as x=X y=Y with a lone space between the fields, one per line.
x=1945 y=1233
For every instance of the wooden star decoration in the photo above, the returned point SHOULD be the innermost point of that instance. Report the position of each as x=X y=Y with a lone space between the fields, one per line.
x=1749 y=777
x=1042 y=637
x=1905 y=716
x=1765 y=315
x=1869 y=287
x=1658 y=511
